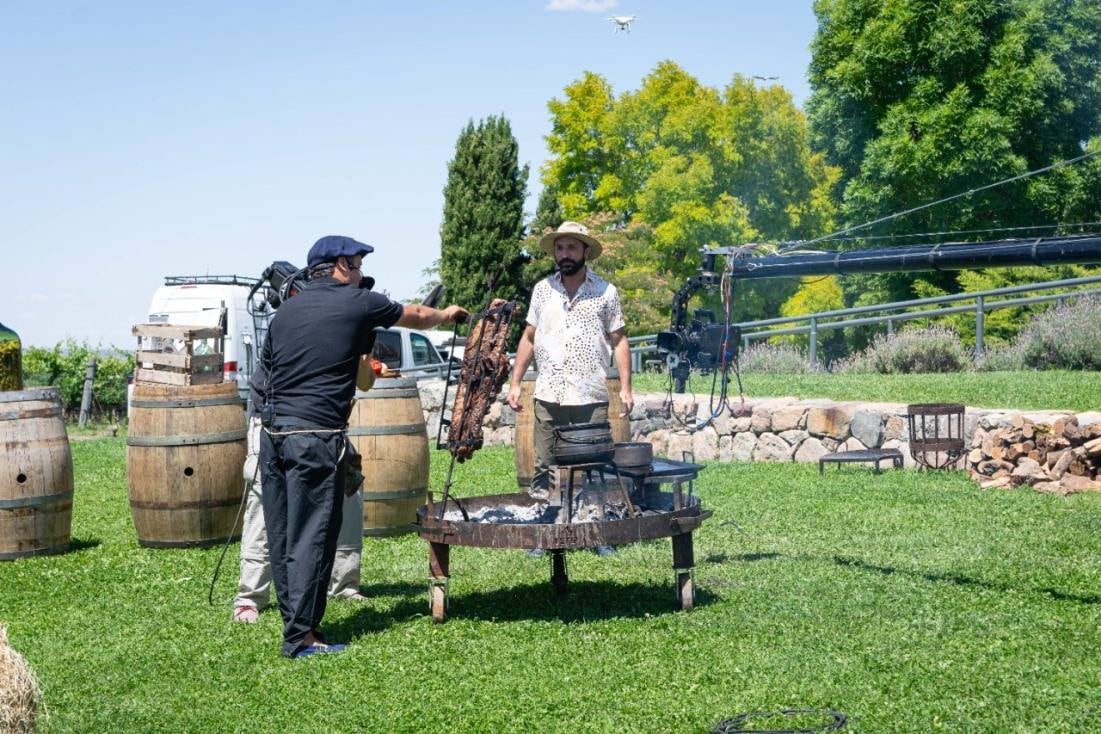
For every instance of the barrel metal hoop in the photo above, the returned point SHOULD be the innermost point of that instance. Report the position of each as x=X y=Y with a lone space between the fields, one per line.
x=394 y=494
x=188 y=403
x=185 y=505
x=399 y=430
x=205 y=438
x=36 y=501
x=14 y=415
x=388 y=532
x=19 y=396
x=49 y=551
x=385 y=394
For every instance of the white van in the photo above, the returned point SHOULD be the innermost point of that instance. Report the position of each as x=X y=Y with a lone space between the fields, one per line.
x=198 y=300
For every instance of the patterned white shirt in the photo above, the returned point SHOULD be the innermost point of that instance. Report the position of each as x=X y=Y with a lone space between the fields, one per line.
x=572 y=346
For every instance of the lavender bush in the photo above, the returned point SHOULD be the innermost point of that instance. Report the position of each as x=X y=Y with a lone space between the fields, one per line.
x=1066 y=338
x=769 y=359
x=914 y=350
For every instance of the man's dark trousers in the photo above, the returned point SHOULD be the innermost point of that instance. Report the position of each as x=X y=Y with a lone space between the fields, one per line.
x=303 y=493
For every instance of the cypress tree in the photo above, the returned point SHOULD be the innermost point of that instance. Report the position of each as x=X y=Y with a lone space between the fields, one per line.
x=483 y=214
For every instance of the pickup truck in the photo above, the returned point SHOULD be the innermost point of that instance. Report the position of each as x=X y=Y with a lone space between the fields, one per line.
x=410 y=351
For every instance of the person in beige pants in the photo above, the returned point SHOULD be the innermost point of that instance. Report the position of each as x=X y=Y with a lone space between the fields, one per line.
x=254 y=584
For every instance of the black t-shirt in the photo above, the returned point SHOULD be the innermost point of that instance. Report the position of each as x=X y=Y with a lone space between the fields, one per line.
x=314 y=345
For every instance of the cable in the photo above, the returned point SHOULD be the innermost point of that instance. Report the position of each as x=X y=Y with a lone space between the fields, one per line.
x=969 y=192
x=967 y=231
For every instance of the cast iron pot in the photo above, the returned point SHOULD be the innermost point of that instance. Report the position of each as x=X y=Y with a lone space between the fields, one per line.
x=634 y=454
x=583 y=443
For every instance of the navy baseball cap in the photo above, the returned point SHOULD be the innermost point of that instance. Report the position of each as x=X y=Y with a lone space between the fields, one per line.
x=332 y=246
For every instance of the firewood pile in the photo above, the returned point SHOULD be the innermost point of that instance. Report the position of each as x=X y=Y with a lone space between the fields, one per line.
x=1058 y=457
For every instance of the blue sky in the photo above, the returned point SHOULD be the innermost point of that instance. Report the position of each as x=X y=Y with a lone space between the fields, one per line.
x=144 y=139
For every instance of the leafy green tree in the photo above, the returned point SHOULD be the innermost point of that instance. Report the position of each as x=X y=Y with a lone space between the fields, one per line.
x=483 y=213
x=916 y=100
x=691 y=166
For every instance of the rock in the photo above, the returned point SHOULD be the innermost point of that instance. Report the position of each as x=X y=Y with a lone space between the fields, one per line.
x=794 y=436
x=810 y=450
x=832 y=422
x=679 y=442
x=725 y=452
x=741 y=424
x=895 y=428
x=771 y=447
x=867 y=427
x=431 y=394
x=998 y=483
x=1079 y=484
x=1059 y=468
x=789 y=418
x=974 y=456
x=742 y=446
x=508 y=416
x=762 y=419
x=1049 y=488
x=722 y=422
x=493 y=415
x=852 y=444
x=993 y=420
x=660 y=441
x=831 y=444
x=705 y=444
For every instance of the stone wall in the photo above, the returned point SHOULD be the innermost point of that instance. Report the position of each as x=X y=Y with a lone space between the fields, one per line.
x=787 y=429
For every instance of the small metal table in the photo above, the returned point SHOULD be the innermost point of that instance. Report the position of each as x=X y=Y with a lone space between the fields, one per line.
x=873 y=455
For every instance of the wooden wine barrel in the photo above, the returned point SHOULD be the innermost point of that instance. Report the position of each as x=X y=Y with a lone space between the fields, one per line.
x=621 y=424
x=524 y=437
x=36 y=474
x=387 y=428
x=184 y=454
x=523 y=440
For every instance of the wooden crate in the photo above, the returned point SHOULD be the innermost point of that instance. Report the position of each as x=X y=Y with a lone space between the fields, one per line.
x=179 y=366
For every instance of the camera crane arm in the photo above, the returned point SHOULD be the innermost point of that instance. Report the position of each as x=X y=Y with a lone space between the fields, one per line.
x=684 y=342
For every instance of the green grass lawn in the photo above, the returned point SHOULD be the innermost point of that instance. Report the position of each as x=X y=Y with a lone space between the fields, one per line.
x=1054 y=389
x=913 y=602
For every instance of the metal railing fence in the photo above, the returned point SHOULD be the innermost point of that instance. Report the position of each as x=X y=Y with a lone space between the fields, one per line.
x=891 y=313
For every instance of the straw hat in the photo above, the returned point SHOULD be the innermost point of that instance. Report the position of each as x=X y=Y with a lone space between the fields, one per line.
x=575 y=230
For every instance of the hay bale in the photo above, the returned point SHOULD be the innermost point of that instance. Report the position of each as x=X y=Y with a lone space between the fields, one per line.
x=20 y=695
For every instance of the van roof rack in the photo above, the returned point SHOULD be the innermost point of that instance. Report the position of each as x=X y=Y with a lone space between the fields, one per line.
x=210 y=279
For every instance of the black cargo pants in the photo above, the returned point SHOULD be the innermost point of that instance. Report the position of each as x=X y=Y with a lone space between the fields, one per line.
x=303 y=497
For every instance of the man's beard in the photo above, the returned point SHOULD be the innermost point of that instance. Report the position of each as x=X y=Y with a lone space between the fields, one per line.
x=570 y=267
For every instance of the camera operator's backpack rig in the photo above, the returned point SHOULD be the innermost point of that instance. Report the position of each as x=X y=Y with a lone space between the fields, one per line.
x=704 y=344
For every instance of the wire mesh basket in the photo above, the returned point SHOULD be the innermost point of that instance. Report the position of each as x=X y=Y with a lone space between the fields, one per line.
x=936 y=433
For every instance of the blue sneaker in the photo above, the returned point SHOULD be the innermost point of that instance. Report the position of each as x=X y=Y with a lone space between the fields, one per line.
x=604 y=551
x=536 y=553
x=318 y=649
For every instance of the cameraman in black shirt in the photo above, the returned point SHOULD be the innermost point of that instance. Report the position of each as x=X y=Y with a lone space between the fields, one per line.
x=314 y=352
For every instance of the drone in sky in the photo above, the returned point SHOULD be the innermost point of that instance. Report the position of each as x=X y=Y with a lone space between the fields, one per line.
x=623 y=22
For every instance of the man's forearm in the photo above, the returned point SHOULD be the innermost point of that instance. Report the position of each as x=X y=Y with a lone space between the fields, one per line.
x=416 y=316
x=622 y=353
x=524 y=351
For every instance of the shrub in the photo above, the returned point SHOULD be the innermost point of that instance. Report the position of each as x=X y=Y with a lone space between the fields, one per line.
x=910 y=351
x=772 y=359
x=64 y=366
x=1065 y=338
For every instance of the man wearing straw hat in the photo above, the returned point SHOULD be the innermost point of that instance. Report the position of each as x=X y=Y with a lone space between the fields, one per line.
x=574 y=324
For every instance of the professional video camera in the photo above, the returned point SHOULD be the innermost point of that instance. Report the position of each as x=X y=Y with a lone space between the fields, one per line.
x=702 y=343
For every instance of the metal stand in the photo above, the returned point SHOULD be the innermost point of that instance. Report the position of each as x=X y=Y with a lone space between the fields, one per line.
x=936 y=429
x=683 y=563
x=559 y=578
x=439 y=579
